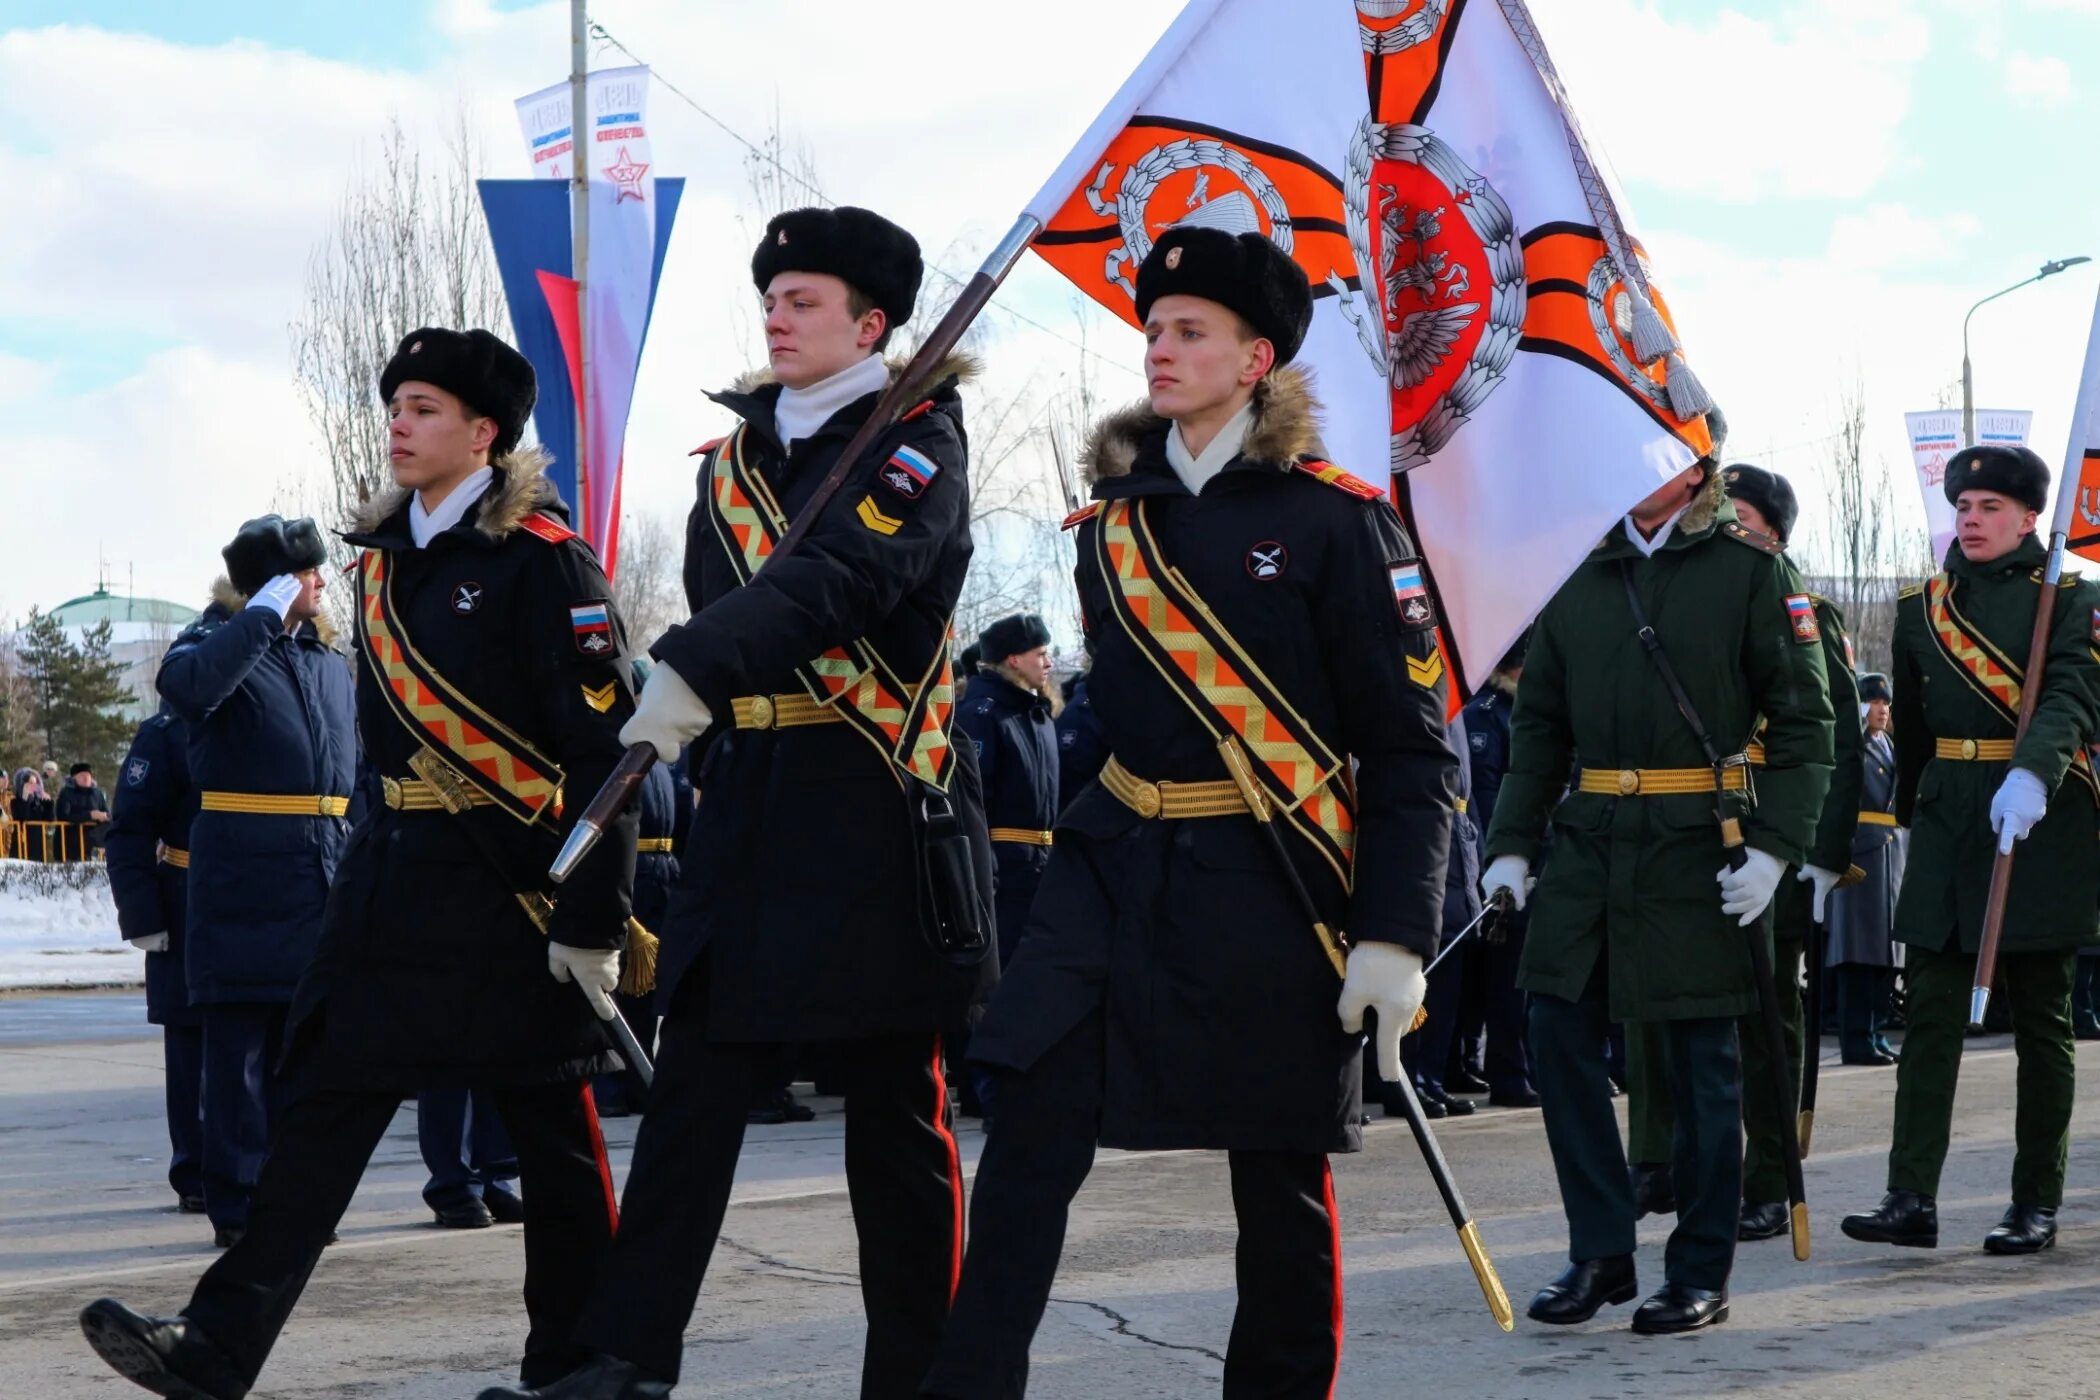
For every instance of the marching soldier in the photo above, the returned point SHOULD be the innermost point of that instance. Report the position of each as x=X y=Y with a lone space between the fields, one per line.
x=489 y=681
x=1011 y=717
x=1861 y=955
x=1765 y=503
x=1627 y=923
x=1171 y=990
x=148 y=855
x=805 y=911
x=1968 y=791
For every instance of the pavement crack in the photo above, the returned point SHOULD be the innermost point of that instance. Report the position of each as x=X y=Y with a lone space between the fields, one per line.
x=788 y=1268
x=1124 y=1328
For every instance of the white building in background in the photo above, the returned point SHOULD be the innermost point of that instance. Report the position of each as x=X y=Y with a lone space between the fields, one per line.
x=140 y=630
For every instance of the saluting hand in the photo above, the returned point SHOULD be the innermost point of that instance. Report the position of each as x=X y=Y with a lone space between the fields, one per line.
x=1386 y=978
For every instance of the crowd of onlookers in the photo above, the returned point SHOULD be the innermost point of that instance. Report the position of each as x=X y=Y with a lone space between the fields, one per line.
x=44 y=818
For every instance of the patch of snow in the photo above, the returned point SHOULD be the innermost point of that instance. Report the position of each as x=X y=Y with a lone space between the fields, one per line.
x=58 y=928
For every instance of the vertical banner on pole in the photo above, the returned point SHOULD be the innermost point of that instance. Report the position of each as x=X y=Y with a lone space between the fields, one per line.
x=1934 y=438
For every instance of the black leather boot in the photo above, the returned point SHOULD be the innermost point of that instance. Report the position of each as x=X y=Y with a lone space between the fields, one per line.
x=1680 y=1309
x=1904 y=1217
x=2024 y=1230
x=1765 y=1220
x=1653 y=1191
x=166 y=1355
x=1583 y=1288
x=606 y=1378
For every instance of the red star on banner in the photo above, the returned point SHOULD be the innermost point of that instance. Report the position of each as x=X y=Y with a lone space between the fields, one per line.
x=628 y=176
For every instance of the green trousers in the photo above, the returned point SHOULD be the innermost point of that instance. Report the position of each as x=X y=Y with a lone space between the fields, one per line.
x=1649 y=1119
x=2036 y=988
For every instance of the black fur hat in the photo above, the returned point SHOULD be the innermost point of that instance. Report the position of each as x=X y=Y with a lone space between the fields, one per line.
x=2010 y=471
x=1244 y=272
x=1010 y=636
x=491 y=379
x=270 y=545
x=1875 y=686
x=1771 y=493
x=859 y=247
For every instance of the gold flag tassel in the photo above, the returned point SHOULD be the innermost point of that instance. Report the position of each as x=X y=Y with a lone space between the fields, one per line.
x=638 y=968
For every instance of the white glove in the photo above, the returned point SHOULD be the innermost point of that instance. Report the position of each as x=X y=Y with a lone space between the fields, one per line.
x=1748 y=891
x=1512 y=873
x=279 y=594
x=596 y=970
x=1388 y=979
x=150 y=942
x=1824 y=880
x=2019 y=804
x=668 y=715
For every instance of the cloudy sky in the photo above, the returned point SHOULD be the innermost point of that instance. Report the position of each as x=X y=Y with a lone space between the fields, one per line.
x=1824 y=190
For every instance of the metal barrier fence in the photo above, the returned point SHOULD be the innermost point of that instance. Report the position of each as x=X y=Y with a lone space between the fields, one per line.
x=51 y=842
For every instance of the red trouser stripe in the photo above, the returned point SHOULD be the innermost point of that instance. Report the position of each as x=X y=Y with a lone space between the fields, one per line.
x=1334 y=1224
x=605 y=1177
x=955 y=1186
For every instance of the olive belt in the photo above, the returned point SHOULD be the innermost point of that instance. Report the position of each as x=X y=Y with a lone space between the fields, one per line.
x=1659 y=782
x=1877 y=818
x=175 y=856
x=416 y=795
x=1172 y=801
x=781 y=712
x=270 y=804
x=654 y=845
x=1974 y=750
x=1022 y=836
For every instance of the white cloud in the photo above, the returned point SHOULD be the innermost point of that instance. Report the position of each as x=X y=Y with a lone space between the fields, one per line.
x=2044 y=80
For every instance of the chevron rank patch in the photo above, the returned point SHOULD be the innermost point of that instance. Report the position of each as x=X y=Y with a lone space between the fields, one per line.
x=871 y=516
x=600 y=698
x=592 y=624
x=1411 y=596
x=908 y=473
x=1426 y=671
x=1801 y=612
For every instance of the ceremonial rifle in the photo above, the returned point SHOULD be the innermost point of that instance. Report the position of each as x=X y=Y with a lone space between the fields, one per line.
x=1432 y=1155
x=2082 y=411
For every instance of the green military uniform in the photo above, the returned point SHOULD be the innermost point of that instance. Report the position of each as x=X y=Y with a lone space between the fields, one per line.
x=1626 y=922
x=1945 y=800
x=1649 y=1122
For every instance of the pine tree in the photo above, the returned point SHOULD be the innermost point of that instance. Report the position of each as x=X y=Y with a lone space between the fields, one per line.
x=78 y=692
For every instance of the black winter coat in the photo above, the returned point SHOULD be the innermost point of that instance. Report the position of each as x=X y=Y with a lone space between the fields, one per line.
x=430 y=974
x=270 y=712
x=1016 y=744
x=798 y=898
x=657 y=810
x=1219 y=999
x=1081 y=749
x=155 y=806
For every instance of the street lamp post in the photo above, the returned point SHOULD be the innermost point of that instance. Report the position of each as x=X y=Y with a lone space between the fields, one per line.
x=1968 y=391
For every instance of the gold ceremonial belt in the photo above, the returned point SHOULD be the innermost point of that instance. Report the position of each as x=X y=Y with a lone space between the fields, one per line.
x=1172 y=801
x=416 y=795
x=781 y=712
x=654 y=845
x=1754 y=754
x=270 y=804
x=1659 y=782
x=1877 y=818
x=175 y=856
x=1974 y=750
x=1022 y=836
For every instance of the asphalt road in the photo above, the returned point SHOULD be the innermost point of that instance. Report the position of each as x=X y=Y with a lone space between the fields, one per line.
x=1144 y=1302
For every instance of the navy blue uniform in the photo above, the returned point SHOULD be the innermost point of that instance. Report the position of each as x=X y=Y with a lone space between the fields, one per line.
x=1428 y=1050
x=1487 y=719
x=147 y=850
x=1082 y=749
x=270 y=716
x=1017 y=755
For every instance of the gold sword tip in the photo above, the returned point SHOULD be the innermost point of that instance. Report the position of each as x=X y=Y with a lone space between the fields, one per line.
x=1801 y=1231
x=1490 y=1281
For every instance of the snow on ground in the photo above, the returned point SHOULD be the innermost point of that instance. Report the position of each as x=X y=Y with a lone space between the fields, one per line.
x=58 y=928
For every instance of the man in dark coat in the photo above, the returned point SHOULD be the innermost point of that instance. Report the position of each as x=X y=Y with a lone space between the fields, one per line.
x=821 y=682
x=147 y=851
x=1081 y=748
x=1970 y=792
x=273 y=754
x=1171 y=990
x=488 y=682
x=1011 y=718
x=1640 y=916
x=1508 y=1060
x=1429 y=1050
x=83 y=807
x=1862 y=952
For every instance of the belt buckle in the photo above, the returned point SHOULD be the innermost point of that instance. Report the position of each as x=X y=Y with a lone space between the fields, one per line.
x=1968 y=748
x=1629 y=782
x=390 y=790
x=761 y=712
x=449 y=788
x=1149 y=798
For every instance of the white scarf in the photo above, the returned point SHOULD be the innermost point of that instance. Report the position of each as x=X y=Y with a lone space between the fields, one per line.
x=427 y=525
x=1662 y=537
x=1196 y=469
x=801 y=412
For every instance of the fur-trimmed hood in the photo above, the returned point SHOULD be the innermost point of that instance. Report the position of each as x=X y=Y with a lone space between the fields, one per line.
x=1052 y=695
x=1705 y=510
x=233 y=600
x=1286 y=427
x=520 y=487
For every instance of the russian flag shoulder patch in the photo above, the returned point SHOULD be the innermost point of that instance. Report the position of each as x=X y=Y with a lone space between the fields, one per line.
x=908 y=473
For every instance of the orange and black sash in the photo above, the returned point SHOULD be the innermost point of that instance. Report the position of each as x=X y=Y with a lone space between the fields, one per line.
x=481 y=748
x=1990 y=672
x=908 y=724
x=1224 y=687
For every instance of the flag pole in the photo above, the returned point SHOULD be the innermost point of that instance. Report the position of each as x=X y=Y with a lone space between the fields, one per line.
x=2082 y=410
x=580 y=240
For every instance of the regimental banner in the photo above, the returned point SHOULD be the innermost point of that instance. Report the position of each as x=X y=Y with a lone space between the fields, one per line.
x=1486 y=329
x=1934 y=438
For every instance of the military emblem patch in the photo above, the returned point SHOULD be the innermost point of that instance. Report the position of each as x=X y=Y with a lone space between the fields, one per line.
x=1411 y=596
x=136 y=770
x=1266 y=561
x=466 y=598
x=601 y=697
x=592 y=624
x=1801 y=612
x=908 y=473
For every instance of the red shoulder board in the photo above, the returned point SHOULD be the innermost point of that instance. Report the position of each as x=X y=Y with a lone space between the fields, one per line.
x=547 y=528
x=706 y=447
x=920 y=412
x=1330 y=474
x=1081 y=516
